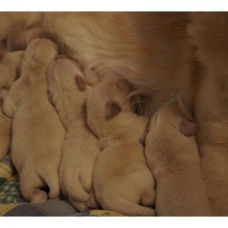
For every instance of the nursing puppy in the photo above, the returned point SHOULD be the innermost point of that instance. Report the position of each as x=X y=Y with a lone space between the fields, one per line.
x=37 y=133
x=210 y=35
x=172 y=155
x=8 y=74
x=68 y=92
x=121 y=178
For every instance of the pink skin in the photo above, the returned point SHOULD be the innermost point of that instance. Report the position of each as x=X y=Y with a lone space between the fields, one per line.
x=80 y=82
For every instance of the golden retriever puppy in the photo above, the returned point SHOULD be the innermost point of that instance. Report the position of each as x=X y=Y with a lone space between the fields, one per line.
x=210 y=35
x=172 y=155
x=8 y=74
x=37 y=133
x=68 y=93
x=121 y=178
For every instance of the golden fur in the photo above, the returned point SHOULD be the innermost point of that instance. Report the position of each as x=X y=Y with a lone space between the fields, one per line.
x=121 y=179
x=172 y=155
x=80 y=147
x=153 y=52
x=37 y=133
x=8 y=74
x=210 y=35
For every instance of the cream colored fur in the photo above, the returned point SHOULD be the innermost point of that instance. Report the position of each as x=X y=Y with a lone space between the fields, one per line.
x=175 y=163
x=8 y=74
x=80 y=147
x=152 y=51
x=37 y=133
x=121 y=178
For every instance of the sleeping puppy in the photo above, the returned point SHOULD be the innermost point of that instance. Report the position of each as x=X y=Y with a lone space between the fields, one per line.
x=210 y=36
x=121 y=179
x=172 y=155
x=8 y=74
x=37 y=133
x=67 y=92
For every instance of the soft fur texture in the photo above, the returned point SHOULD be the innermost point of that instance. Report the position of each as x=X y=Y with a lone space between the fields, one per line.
x=8 y=74
x=172 y=155
x=210 y=35
x=153 y=52
x=37 y=133
x=68 y=92
x=121 y=179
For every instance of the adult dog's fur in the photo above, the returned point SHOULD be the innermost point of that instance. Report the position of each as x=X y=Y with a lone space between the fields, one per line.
x=37 y=133
x=172 y=155
x=152 y=51
x=210 y=35
x=68 y=93
x=121 y=178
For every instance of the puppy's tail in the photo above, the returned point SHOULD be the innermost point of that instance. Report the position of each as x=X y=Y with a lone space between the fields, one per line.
x=77 y=196
x=125 y=207
x=74 y=189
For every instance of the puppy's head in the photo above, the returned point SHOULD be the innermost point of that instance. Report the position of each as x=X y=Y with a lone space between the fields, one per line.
x=41 y=49
x=65 y=79
x=105 y=102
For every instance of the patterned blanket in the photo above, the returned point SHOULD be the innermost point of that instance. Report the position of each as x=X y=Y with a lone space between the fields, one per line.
x=12 y=202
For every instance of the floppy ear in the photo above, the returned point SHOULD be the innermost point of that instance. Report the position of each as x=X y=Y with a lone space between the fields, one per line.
x=187 y=128
x=112 y=109
x=80 y=82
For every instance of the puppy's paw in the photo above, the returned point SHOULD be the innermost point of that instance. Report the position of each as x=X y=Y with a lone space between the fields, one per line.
x=39 y=196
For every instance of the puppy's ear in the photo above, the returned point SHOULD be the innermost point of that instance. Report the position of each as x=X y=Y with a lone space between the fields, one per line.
x=112 y=109
x=187 y=128
x=80 y=82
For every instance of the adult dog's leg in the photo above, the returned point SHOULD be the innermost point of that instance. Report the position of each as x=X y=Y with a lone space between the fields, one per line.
x=210 y=34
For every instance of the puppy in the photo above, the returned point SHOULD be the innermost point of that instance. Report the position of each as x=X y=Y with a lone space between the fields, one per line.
x=37 y=133
x=172 y=155
x=121 y=178
x=8 y=74
x=68 y=92
x=209 y=35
